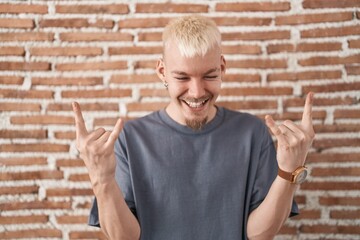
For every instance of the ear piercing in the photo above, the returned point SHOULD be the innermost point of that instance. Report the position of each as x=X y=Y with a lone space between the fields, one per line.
x=166 y=85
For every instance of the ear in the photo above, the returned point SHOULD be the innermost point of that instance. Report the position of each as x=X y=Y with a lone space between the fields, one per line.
x=223 y=66
x=160 y=69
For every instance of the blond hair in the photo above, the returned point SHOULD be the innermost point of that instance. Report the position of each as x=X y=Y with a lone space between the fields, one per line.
x=194 y=35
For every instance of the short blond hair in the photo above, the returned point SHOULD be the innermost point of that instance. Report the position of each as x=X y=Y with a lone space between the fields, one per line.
x=194 y=35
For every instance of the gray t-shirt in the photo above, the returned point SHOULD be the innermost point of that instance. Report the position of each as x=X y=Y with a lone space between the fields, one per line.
x=184 y=185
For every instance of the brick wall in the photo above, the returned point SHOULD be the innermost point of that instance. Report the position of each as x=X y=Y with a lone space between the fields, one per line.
x=103 y=55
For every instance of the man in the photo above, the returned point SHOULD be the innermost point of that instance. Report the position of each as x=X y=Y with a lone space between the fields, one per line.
x=194 y=170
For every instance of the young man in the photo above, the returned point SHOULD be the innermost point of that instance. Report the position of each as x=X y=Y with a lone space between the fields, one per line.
x=194 y=170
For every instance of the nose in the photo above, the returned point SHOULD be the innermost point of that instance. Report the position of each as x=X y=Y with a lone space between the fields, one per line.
x=196 y=88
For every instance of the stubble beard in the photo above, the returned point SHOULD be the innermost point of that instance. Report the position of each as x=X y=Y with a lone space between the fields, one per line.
x=196 y=124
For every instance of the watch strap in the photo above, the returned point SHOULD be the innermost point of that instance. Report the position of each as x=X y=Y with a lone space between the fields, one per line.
x=286 y=175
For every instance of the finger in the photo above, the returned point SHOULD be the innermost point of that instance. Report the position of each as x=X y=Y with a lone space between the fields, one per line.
x=103 y=138
x=95 y=135
x=306 y=120
x=299 y=134
x=79 y=121
x=274 y=129
x=115 y=133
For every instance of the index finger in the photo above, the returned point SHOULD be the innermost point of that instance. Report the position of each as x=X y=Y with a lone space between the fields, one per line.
x=306 y=120
x=79 y=121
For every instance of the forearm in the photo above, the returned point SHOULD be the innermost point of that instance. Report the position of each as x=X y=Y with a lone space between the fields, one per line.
x=116 y=219
x=267 y=219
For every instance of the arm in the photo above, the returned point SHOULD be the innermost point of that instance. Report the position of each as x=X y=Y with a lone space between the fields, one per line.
x=294 y=142
x=97 y=150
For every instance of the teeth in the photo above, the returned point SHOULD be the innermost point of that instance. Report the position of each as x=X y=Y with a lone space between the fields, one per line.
x=195 y=104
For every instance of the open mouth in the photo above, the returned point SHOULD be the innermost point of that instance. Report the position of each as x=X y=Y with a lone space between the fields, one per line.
x=196 y=104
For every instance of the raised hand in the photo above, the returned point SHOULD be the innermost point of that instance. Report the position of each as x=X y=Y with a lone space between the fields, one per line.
x=96 y=148
x=293 y=140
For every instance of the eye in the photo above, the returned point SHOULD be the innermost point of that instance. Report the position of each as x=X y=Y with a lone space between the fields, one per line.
x=211 y=77
x=181 y=78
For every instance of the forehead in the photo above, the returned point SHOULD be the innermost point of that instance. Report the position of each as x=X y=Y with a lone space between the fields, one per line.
x=175 y=62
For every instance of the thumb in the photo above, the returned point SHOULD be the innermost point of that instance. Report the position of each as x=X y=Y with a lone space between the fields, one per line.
x=115 y=133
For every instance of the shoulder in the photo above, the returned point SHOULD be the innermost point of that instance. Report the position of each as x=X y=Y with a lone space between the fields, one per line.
x=244 y=119
x=143 y=123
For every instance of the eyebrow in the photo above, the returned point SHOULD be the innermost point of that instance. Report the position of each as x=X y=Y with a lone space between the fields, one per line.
x=185 y=74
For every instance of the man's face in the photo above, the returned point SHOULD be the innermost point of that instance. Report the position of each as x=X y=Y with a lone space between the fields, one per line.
x=193 y=84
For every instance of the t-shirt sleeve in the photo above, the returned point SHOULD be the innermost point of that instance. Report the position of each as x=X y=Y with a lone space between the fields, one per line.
x=123 y=179
x=266 y=173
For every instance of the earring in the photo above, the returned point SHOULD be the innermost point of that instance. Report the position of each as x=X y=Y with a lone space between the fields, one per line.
x=166 y=85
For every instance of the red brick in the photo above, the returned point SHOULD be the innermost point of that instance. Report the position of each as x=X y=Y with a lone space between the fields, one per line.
x=86 y=205
x=95 y=8
x=339 y=201
x=43 y=120
x=19 y=190
x=106 y=93
x=330 y=3
x=170 y=8
x=71 y=219
x=304 y=47
x=331 y=229
x=288 y=230
x=75 y=23
x=145 y=64
x=331 y=143
x=308 y=214
x=33 y=147
x=31 y=219
x=79 y=177
x=336 y=87
x=84 y=107
x=56 y=192
x=150 y=36
x=13 y=161
x=23 y=134
x=241 y=49
x=162 y=92
x=338 y=128
x=338 y=171
x=65 y=51
x=330 y=186
x=101 y=122
x=32 y=233
x=146 y=106
x=294 y=116
x=26 y=36
x=299 y=102
x=143 y=22
x=21 y=94
x=252 y=6
x=242 y=21
x=11 y=206
x=16 y=23
x=313 y=18
x=330 y=32
x=65 y=135
x=257 y=63
x=34 y=175
x=70 y=163
x=242 y=105
x=343 y=214
x=267 y=35
x=316 y=61
x=28 y=107
x=95 y=36
x=137 y=78
x=346 y=113
x=23 y=8
x=24 y=66
x=12 y=51
x=333 y=157
x=58 y=81
x=250 y=91
x=87 y=235
x=242 y=78
x=354 y=43
x=91 y=66
x=352 y=69
x=300 y=199
x=134 y=50
x=11 y=80
x=306 y=75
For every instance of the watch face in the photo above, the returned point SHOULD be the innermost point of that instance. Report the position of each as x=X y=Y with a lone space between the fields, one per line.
x=300 y=178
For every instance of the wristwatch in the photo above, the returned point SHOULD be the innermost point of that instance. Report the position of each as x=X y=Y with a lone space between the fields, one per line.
x=296 y=177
